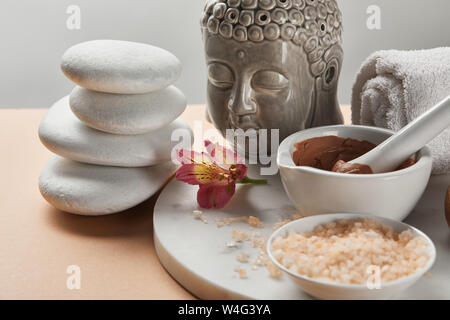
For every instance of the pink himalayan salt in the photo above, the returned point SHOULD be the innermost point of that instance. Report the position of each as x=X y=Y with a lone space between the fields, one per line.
x=343 y=251
x=243 y=257
x=253 y=222
x=241 y=272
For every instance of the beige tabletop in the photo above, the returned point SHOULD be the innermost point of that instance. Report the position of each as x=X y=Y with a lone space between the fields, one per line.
x=115 y=254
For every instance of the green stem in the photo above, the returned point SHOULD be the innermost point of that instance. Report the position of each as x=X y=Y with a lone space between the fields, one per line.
x=248 y=180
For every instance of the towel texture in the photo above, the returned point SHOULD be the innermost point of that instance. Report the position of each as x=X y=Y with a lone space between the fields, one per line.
x=395 y=87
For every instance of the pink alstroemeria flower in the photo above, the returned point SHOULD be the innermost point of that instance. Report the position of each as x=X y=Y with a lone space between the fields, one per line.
x=216 y=173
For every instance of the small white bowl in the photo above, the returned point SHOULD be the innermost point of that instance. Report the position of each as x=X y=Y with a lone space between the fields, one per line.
x=333 y=291
x=391 y=195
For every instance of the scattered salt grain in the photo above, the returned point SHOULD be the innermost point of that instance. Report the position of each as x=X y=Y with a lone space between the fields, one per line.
x=240 y=236
x=253 y=222
x=241 y=272
x=231 y=244
x=243 y=257
x=198 y=215
x=256 y=241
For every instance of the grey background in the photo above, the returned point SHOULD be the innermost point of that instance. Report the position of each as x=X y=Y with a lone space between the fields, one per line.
x=33 y=36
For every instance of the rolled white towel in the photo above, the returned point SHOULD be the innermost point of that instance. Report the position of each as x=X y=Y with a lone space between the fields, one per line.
x=395 y=87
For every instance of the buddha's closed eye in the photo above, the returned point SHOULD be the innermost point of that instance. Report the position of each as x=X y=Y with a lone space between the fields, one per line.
x=220 y=75
x=269 y=80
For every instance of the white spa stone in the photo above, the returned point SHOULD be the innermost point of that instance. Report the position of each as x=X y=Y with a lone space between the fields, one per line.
x=64 y=134
x=130 y=113
x=120 y=66
x=92 y=190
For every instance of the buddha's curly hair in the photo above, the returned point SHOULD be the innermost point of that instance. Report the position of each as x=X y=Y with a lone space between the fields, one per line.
x=315 y=25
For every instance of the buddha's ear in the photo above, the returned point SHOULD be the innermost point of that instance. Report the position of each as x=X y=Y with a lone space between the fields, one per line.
x=333 y=58
x=327 y=110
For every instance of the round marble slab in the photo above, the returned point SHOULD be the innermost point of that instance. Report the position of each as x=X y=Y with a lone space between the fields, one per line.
x=91 y=190
x=196 y=255
x=64 y=134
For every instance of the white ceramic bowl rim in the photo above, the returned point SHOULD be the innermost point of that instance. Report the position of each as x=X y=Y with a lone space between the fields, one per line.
x=288 y=162
x=352 y=216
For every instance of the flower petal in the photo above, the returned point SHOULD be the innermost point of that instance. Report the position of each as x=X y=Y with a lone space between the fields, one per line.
x=198 y=174
x=241 y=171
x=190 y=157
x=215 y=196
x=223 y=155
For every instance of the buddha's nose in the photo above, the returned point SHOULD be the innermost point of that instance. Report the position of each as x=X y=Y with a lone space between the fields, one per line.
x=242 y=102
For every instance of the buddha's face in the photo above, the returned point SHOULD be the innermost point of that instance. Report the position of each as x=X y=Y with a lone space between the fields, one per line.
x=264 y=85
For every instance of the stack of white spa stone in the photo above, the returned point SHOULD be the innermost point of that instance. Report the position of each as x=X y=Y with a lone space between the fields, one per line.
x=112 y=135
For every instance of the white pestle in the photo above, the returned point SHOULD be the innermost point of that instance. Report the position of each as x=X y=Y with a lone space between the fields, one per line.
x=389 y=155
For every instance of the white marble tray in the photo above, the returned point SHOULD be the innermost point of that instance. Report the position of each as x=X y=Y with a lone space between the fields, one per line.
x=196 y=255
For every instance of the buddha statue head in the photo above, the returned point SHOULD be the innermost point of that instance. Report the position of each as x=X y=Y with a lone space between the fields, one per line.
x=272 y=64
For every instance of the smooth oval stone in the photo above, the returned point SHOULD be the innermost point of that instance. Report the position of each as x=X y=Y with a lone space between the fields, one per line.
x=127 y=113
x=92 y=190
x=64 y=134
x=120 y=66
